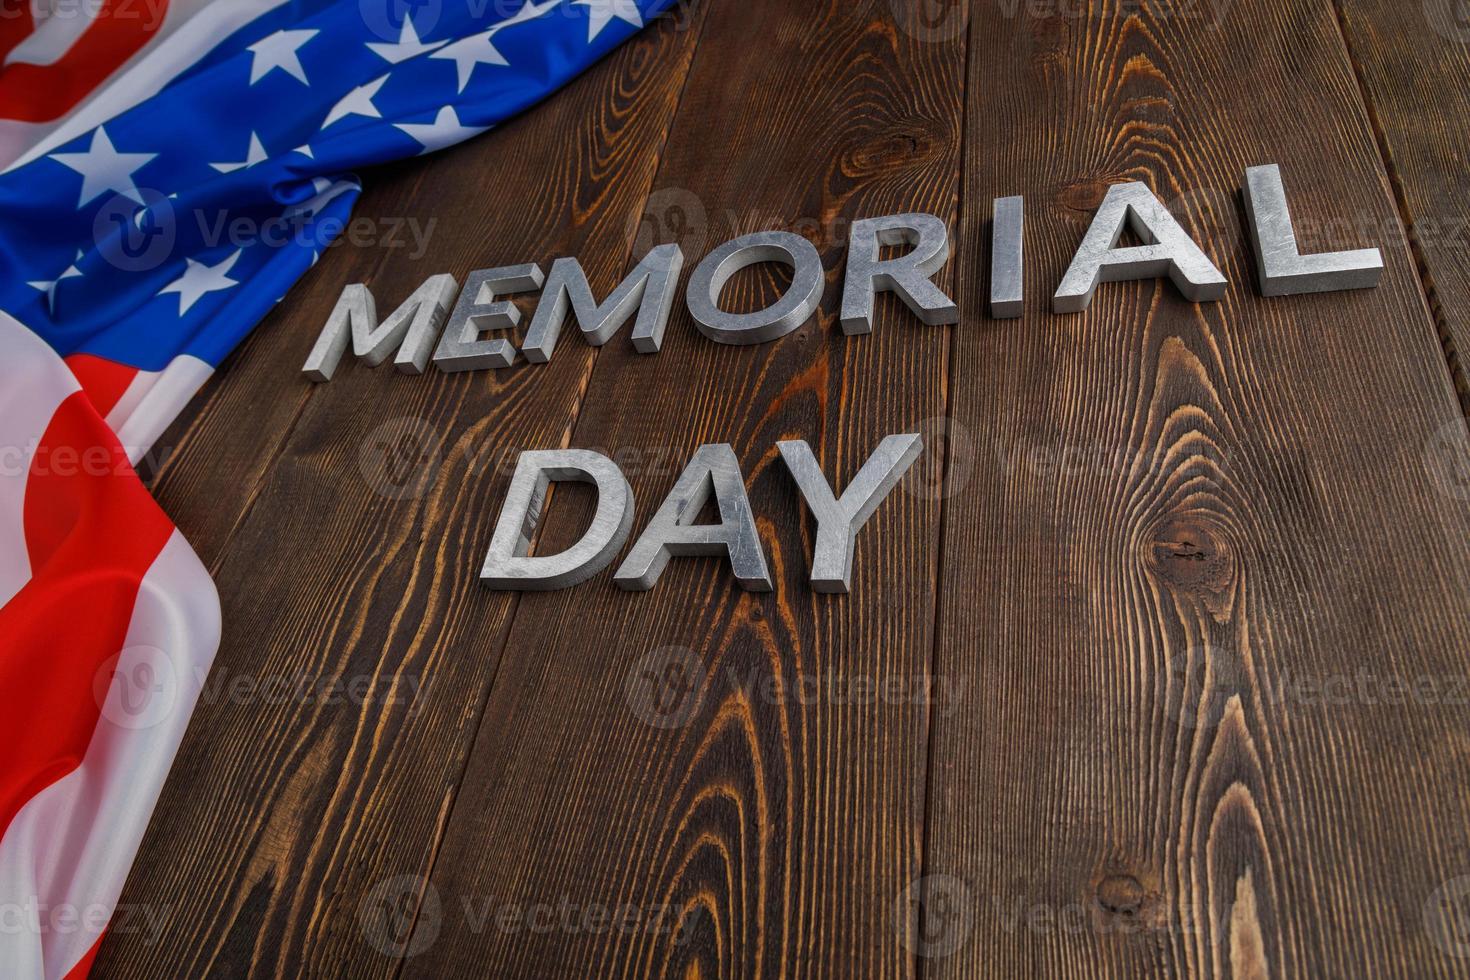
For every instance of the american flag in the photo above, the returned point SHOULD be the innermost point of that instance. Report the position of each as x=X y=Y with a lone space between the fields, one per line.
x=171 y=168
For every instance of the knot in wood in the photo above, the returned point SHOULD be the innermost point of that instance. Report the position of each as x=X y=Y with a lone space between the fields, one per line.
x=1121 y=894
x=1083 y=195
x=1192 y=555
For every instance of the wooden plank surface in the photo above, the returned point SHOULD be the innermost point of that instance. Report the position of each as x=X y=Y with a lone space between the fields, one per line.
x=1103 y=605
x=1179 y=523
x=690 y=758
x=283 y=813
x=1409 y=58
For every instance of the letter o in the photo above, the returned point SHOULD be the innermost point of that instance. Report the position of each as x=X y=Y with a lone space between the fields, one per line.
x=775 y=321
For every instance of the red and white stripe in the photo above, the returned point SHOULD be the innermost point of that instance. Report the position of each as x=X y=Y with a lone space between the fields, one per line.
x=139 y=405
x=57 y=58
x=108 y=626
x=108 y=621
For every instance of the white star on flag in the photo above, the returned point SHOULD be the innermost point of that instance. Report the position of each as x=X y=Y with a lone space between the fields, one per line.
x=443 y=131
x=255 y=154
x=49 y=287
x=278 y=50
x=140 y=216
x=199 y=279
x=477 y=49
x=408 y=46
x=602 y=13
x=358 y=102
x=104 y=169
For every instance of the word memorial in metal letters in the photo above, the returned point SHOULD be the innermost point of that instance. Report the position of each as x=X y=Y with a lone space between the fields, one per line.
x=647 y=296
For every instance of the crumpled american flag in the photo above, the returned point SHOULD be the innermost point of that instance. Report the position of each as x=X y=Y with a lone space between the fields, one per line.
x=171 y=168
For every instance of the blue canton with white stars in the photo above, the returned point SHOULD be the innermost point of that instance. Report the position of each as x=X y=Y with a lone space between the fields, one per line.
x=175 y=226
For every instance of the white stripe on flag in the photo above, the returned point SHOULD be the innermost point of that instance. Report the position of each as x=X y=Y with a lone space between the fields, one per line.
x=190 y=30
x=65 y=856
x=52 y=38
x=36 y=382
x=153 y=400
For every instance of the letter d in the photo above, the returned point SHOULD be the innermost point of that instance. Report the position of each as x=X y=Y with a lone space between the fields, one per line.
x=508 y=564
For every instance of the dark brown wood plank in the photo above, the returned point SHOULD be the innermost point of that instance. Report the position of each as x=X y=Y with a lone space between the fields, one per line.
x=207 y=469
x=1176 y=522
x=770 y=827
x=1413 y=61
x=282 y=814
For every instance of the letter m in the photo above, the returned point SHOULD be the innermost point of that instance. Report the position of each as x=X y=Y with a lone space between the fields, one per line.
x=412 y=328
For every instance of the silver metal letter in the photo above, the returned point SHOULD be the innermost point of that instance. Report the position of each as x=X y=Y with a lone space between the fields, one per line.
x=462 y=348
x=1283 y=270
x=411 y=328
x=649 y=289
x=1007 y=274
x=908 y=275
x=838 y=521
x=776 y=321
x=672 y=531
x=1167 y=248
x=507 y=564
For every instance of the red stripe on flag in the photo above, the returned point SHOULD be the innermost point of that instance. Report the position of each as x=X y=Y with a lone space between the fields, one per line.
x=92 y=531
x=15 y=23
x=104 y=381
x=84 y=965
x=41 y=93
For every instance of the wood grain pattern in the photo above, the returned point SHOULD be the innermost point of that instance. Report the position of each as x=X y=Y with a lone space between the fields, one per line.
x=1409 y=59
x=689 y=759
x=284 y=813
x=1176 y=524
x=1119 y=690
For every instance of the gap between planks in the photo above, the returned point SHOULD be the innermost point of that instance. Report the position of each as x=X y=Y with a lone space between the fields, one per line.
x=919 y=963
x=568 y=435
x=1406 y=219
